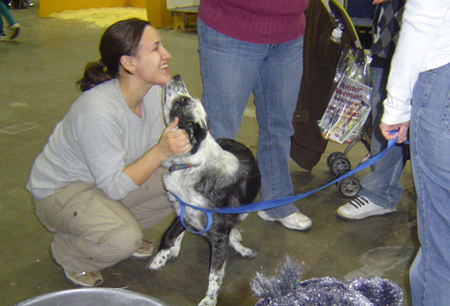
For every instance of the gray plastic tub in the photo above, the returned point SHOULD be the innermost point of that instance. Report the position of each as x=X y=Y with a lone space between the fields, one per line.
x=93 y=297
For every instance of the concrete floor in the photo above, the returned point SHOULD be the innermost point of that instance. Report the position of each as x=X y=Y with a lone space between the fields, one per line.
x=38 y=73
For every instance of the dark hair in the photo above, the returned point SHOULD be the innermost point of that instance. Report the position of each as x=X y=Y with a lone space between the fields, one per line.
x=121 y=38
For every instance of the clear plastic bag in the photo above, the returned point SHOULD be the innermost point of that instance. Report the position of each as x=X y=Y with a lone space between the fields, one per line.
x=349 y=106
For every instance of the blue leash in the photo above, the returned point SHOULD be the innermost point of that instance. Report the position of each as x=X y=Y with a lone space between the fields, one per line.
x=273 y=203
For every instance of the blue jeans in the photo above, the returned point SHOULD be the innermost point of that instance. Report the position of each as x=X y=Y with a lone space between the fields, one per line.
x=430 y=161
x=381 y=185
x=231 y=70
x=5 y=12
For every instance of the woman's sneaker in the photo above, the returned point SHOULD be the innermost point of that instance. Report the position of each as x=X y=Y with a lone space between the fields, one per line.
x=361 y=208
x=86 y=279
x=145 y=251
x=295 y=221
x=2 y=38
x=16 y=30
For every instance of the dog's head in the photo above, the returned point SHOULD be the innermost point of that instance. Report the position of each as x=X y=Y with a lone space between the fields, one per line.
x=190 y=112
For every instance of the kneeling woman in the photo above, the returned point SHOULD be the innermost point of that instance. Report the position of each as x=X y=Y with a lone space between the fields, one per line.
x=97 y=182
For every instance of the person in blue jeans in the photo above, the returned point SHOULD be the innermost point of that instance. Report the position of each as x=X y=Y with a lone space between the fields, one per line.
x=418 y=103
x=380 y=191
x=13 y=24
x=256 y=46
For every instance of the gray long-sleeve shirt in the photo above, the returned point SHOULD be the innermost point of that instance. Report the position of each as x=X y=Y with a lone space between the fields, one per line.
x=95 y=140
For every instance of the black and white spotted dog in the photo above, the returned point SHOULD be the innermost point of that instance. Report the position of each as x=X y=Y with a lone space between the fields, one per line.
x=214 y=174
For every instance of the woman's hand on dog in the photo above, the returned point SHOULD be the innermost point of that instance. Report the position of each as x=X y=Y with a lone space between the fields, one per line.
x=173 y=141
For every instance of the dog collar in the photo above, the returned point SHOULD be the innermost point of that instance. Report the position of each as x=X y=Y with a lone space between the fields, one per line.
x=176 y=167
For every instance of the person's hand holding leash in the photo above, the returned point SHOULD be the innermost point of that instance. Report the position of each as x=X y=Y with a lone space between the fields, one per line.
x=402 y=131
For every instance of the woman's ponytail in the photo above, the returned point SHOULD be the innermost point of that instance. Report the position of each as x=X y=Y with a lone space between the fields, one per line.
x=94 y=74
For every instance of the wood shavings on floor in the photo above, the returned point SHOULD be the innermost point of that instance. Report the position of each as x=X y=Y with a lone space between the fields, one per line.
x=102 y=17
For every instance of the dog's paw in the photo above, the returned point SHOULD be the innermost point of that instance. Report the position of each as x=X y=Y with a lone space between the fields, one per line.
x=235 y=238
x=243 y=251
x=208 y=301
x=160 y=260
x=164 y=255
x=249 y=253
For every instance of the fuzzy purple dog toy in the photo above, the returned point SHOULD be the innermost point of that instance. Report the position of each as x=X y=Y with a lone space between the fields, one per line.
x=288 y=290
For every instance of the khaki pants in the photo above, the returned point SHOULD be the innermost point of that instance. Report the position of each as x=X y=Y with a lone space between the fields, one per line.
x=94 y=232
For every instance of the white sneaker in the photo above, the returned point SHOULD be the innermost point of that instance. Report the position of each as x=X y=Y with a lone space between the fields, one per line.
x=2 y=38
x=360 y=208
x=296 y=221
x=16 y=30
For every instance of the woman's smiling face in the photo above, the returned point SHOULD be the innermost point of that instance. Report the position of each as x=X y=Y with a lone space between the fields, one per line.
x=152 y=58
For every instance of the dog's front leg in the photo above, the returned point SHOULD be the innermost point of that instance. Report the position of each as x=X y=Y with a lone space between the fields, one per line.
x=219 y=250
x=170 y=245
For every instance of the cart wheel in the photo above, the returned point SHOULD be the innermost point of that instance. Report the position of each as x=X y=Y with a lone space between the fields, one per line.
x=333 y=156
x=349 y=186
x=338 y=164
